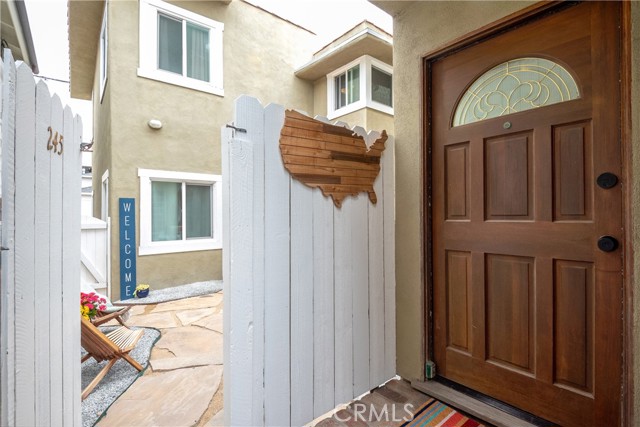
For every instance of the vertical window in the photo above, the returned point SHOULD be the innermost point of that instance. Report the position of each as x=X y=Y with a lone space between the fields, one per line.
x=180 y=47
x=169 y=44
x=347 y=86
x=103 y=52
x=197 y=52
x=104 y=211
x=179 y=212
x=381 y=87
x=166 y=211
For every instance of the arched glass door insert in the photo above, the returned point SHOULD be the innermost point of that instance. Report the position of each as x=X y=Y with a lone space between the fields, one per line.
x=516 y=85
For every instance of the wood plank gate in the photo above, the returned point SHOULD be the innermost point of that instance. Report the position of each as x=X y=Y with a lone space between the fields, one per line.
x=39 y=318
x=309 y=300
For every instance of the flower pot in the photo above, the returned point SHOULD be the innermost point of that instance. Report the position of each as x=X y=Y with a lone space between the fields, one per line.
x=142 y=293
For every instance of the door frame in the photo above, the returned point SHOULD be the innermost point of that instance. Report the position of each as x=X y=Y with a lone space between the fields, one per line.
x=528 y=14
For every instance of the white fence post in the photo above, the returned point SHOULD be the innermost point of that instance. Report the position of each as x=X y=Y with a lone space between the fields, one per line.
x=309 y=305
x=40 y=269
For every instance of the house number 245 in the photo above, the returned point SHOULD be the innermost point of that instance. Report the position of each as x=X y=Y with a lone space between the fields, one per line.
x=55 y=141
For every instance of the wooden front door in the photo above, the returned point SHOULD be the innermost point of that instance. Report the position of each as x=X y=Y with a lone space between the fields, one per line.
x=527 y=307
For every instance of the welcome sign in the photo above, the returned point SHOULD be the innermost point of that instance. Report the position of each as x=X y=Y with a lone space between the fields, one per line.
x=127 y=247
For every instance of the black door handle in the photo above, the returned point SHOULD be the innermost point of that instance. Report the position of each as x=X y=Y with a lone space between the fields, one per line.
x=607 y=243
x=607 y=180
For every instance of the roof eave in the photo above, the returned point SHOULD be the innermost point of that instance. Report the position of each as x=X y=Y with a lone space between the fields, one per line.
x=365 y=42
x=24 y=33
x=393 y=8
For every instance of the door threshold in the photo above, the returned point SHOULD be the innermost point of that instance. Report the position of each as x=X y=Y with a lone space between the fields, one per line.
x=475 y=404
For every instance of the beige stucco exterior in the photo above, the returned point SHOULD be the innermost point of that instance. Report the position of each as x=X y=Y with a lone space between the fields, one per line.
x=418 y=29
x=189 y=140
x=262 y=55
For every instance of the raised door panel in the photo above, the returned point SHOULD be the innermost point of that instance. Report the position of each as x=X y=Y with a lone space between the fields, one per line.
x=510 y=311
x=458 y=278
x=457 y=185
x=508 y=177
x=572 y=172
x=573 y=326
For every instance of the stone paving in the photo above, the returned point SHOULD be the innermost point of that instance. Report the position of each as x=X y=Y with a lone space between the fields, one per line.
x=183 y=384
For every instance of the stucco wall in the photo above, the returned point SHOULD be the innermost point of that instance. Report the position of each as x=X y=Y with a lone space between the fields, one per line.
x=418 y=29
x=261 y=53
x=320 y=106
x=377 y=120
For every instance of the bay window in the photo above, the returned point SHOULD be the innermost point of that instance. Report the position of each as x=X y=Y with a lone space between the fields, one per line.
x=363 y=83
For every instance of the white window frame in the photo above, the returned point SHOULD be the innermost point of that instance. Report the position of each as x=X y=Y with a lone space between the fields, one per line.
x=104 y=44
x=148 y=66
x=149 y=247
x=365 y=62
x=104 y=205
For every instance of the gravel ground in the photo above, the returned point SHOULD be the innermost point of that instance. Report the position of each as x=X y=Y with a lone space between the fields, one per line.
x=122 y=374
x=118 y=379
x=177 y=292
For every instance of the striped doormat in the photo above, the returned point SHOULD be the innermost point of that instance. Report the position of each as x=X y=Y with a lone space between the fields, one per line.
x=434 y=413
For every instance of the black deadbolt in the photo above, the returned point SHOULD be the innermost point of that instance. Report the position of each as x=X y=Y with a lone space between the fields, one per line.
x=607 y=180
x=607 y=244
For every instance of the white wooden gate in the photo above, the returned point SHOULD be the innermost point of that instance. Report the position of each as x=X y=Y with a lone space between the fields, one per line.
x=309 y=300
x=40 y=321
x=95 y=254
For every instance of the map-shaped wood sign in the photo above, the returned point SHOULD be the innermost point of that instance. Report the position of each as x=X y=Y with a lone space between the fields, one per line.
x=332 y=158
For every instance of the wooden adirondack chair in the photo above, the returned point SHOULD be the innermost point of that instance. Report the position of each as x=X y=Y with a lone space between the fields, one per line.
x=105 y=316
x=112 y=346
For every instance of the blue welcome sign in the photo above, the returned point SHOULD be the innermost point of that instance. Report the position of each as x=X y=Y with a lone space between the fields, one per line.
x=127 y=247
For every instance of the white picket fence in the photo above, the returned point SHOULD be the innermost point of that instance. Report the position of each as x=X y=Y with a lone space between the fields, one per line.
x=309 y=288
x=95 y=254
x=40 y=323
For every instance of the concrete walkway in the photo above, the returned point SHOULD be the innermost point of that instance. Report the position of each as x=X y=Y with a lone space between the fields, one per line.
x=183 y=384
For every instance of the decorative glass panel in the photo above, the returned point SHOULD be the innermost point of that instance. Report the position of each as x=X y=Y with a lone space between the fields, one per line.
x=513 y=86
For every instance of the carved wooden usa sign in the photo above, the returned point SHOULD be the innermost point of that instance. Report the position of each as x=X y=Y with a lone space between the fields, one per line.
x=329 y=157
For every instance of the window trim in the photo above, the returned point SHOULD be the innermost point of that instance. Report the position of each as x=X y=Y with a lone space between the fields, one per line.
x=148 y=40
x=149 y=247
x=104 y=196
x=366 y=101
x=104 y=64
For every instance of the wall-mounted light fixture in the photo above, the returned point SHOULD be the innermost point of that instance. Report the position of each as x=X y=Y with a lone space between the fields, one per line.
x=155 y=124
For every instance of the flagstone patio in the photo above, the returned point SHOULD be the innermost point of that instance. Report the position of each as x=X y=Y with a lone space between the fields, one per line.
x=183 y=384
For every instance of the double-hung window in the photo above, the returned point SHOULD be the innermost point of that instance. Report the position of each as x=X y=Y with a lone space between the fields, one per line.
x=180 y=47
x=179 y=212
x=347 y=87
x=363 y=83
